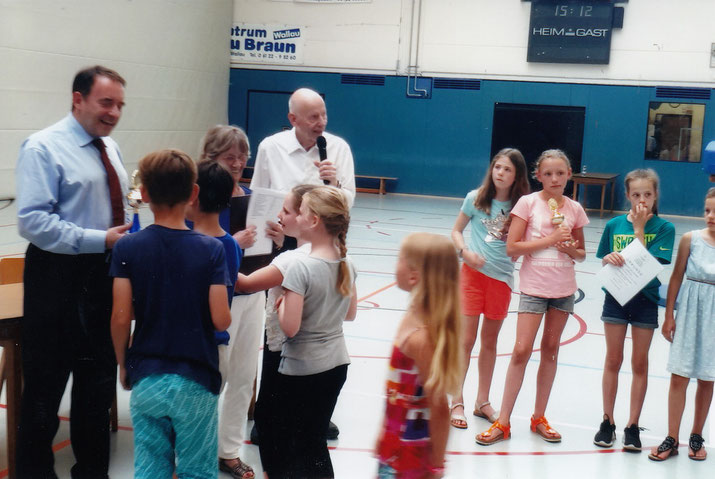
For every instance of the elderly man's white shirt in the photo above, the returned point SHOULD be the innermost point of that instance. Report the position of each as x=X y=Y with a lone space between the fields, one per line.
x=282 y=163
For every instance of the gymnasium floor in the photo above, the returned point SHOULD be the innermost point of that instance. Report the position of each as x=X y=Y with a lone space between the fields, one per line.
x=378 y=225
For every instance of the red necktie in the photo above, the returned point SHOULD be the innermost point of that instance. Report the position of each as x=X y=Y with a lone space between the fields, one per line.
x=115 y=190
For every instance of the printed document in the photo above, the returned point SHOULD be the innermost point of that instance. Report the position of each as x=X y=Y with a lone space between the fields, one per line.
x=263 y=205
x=626 y=281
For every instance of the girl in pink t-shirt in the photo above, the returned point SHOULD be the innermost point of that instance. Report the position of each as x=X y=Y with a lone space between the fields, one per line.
x=547 y=229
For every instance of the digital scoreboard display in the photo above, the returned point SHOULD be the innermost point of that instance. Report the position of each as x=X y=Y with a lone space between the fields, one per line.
x=570 y=32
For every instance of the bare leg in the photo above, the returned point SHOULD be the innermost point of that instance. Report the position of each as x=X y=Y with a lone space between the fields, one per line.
x=676 y=405
x=486 y=362
x=639 y=365
x=527 y=325
x=553 y=327
x=615 y=337
x=703 y=399
x=471 y=325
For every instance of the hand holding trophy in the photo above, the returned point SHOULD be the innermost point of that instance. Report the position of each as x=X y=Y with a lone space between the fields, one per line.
x=134 y=198
x=558 y=218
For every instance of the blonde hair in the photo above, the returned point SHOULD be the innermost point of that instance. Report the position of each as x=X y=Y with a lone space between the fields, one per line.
x=220 y=138
x=644 y=174
x=329 y=204
x=553 y=153
x=436 y=296
x=710 y=193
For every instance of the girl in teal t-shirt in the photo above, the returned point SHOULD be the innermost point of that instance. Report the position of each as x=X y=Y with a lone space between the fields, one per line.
x=487 y=272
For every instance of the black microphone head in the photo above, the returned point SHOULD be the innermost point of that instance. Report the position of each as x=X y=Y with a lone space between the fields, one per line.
x=322 y=144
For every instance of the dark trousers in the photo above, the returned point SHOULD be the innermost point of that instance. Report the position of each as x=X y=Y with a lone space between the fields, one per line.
x=68 y=300
x=293 y=441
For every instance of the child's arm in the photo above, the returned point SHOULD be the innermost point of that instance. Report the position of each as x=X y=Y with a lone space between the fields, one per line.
x=517 y=246
x=473 y=259
x=290 y=313
x=640 y=216
x=676 y=279
x=260 y=280
x=218 y=306
x=121 y=323
x=421 y=350
x=576 y=248
x=352 y=309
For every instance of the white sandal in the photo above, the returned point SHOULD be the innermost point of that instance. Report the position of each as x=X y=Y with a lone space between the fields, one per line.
x=479 y=413
x=457 y=420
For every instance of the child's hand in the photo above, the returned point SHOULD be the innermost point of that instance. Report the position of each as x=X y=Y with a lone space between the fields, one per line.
x=640 y=216
x=616 y=259
x=275 y=232
x=569 y=247
x=668 y=329
x=561 y=234
x=123 y=380
x=473 y=260
x=246 y=238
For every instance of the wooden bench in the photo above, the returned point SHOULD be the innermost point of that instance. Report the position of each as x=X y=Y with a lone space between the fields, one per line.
x=380 y=189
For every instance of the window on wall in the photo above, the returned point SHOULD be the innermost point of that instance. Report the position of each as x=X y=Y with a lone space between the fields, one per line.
x=675 y=131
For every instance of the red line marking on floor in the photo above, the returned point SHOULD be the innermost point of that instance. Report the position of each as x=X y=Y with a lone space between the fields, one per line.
x=360 y=300
x=495 y=453
x=581 y=332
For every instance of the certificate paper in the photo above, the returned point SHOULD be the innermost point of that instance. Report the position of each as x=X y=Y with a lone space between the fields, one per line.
x=263 y=205
x=626 y=281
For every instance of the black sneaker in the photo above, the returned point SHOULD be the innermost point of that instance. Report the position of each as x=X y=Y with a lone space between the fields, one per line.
x=632 y=438
x=606 y=434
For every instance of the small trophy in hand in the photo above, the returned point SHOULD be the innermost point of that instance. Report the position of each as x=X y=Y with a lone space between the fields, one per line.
x=557 y=218
x=134 y=198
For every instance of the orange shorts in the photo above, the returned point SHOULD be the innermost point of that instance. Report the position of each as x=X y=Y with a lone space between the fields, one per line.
x=483 y=295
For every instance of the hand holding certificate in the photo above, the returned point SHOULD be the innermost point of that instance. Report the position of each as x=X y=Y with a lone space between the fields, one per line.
x=264 y=205
x=624 y=282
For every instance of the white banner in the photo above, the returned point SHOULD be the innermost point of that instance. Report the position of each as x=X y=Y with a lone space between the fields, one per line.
x=254 y=43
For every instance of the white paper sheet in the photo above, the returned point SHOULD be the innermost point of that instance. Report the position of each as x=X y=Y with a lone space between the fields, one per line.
x=263 y=205
x=626 y=281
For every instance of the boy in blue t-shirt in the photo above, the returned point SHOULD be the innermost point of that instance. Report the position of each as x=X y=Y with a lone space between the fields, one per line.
x=215 y=190
x=173 y=281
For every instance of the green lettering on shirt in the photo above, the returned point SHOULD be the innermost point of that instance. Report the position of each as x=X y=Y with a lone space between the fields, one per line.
x=621 y=241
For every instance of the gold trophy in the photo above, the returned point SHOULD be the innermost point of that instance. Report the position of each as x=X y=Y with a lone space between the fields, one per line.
x=557 y=218
x=134 y=198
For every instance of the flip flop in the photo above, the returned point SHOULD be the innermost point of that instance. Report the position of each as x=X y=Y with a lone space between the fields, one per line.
x=487 y=438
x=669 y=445
x=549 y=434
x=696 y=444
x=457 y=420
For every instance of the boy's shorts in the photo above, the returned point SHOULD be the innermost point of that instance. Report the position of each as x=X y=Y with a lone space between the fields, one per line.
x=639 y=312
x=483 y=295
x=537 y=305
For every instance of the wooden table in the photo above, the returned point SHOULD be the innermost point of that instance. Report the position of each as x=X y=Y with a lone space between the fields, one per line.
x=10 y=316
x=602 y=179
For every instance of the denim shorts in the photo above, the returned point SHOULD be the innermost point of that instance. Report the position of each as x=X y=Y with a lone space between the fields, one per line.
x=536 y=305
x=640 y=312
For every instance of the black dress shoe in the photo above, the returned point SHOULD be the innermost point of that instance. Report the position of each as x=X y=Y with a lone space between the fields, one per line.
x=332 y=433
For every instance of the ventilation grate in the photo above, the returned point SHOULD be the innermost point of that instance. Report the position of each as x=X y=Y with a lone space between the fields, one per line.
x=353 y=79
x=680 y=92
x=457 y=84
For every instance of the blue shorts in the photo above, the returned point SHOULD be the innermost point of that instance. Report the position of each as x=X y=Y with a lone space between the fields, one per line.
x=537 y=305
x=639 y=312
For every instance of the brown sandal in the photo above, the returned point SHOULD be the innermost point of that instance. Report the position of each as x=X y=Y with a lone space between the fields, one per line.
x=487 y=438
x=549 y=434
x=240 y=470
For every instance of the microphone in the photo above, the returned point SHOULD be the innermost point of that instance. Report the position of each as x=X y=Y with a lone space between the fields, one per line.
x=322 y=144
